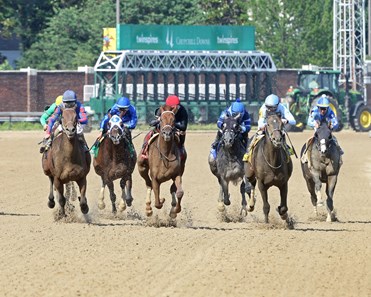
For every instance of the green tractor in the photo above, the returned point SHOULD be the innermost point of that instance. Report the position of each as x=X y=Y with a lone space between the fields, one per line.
x=348 y=105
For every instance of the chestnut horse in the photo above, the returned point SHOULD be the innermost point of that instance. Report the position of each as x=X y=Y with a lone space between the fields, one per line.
x=116 y=159
x=67 y=161
x=323 y=166
x=164 y=163
x=271 y=165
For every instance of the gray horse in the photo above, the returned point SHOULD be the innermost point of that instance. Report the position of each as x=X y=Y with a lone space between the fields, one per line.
x=322 y=165
x=228 y=165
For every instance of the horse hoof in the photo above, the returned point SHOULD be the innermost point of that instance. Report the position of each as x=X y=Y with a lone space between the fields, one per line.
x=149 y=213
x=101 y=205
x=129 y=202
x=320 y=203
x=227 y=202
x=179 y=194
x=122 y=207
x=51 y=203
x=251 y=208
x=84 y=208
x=221 y=207
x=173 y=214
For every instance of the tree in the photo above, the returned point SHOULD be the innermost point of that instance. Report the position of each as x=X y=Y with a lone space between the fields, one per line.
x=174 y=12
x=293 y=32
x=73 y=37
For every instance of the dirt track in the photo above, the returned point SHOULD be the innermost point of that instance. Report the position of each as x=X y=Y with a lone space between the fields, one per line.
x=103 y=255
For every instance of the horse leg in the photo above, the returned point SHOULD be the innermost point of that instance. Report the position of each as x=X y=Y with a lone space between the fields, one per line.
x=101 y=204
x=226 y=195
x=177 y=193
x=51 y=202
x=122 y=204
x=83 y=201
x=174 y=202
x=282 y=208
x=128 y=185
x=317 y=188
x=59 y=187
x=156 y=190
x=243 y=201
x=112 y=196
x=250 y=184
x=148 y=202
x=266 y=206
x=313 y=196
x=330 y=188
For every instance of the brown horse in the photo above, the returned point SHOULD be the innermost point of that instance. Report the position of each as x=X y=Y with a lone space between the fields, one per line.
x=67 y=161
x=164 y=163
x=116 y=159
x=270 y=165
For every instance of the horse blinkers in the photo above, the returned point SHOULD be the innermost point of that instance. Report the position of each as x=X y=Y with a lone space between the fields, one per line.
x=115 y=129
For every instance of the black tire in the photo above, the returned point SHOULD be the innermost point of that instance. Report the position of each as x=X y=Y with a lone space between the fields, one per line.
x=336 y=109
x=362 y=120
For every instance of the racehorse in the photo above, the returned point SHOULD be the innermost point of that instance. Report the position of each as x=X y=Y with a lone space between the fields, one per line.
x=228 y=165
x=164 y=163
x=322 y=166
x=271 y=165
x=67 y=161
x=116 y=159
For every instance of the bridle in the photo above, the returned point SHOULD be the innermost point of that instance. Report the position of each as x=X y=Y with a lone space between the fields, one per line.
x=115 y=131
x=69 y=127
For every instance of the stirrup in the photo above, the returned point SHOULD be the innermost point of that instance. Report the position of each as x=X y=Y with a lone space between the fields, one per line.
x=246 y=157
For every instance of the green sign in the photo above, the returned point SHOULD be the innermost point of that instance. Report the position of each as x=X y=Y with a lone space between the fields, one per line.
x=161 y=37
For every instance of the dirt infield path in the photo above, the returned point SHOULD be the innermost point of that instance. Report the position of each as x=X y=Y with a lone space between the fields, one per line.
x=126 y=255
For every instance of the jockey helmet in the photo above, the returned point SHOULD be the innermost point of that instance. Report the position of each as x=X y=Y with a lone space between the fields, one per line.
x=58 y=100
x=172 y=100
x=123 y=103
x=272 y=101
x=237 y=107
x=69 y=96
x=323 y=102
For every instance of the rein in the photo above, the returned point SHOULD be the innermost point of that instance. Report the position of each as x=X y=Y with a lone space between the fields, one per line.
x=163 y=157
x=265 y=158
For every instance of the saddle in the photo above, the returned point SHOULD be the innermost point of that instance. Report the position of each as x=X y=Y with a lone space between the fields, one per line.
x=305 y=158
x=247 y=156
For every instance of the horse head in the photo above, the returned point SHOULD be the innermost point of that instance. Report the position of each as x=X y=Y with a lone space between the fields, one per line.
x=274 y=128
x=115 y=129
x=69 y=122
x=323 y=135
x=230 y=131
x=167 y=122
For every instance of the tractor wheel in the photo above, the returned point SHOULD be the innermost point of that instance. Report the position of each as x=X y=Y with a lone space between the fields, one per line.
x=362 y=120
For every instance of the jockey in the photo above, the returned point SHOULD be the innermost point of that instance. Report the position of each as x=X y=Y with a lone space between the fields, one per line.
x=125 y=111
x=272 y=104
x=49 y=111
x=69 y=100
x=236 y=108
x=181 y=123
x=322 y=111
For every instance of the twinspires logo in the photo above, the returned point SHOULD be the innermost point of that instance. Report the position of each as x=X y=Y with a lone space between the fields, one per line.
x=147 y=39
x=226 y=40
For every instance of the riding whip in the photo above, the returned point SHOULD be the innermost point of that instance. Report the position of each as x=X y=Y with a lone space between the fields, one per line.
x=293 y=148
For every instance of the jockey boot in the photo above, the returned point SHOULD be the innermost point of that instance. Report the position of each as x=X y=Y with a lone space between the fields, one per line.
x=45 y=145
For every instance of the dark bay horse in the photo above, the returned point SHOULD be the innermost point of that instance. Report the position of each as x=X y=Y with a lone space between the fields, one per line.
x=67 y=161
x=228 y=165
x=116 y=159
x=271 y=165
x=164 y=163
x=322 y=166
